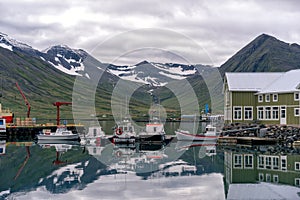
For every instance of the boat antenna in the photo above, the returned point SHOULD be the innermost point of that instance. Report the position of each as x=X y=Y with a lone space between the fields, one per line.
x=1 y=92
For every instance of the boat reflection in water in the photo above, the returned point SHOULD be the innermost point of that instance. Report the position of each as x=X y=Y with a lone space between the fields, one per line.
x=115 y=171
x=61 y=147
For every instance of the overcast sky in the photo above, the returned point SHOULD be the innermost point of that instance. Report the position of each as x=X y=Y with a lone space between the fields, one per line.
x=129 y=31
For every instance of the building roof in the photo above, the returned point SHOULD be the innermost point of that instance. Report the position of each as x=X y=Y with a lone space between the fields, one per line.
x=287 y=82
x=256 y=81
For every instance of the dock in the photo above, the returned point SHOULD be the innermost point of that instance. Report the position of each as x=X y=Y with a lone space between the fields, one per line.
x=16 y=133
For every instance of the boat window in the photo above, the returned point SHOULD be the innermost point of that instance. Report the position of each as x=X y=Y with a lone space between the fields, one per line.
x=1 y=121
x=95 y=132
x=154 y=128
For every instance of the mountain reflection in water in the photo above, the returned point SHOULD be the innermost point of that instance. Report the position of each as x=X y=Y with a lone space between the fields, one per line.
x=178 y=170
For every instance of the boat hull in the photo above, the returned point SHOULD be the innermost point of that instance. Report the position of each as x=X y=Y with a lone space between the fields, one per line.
x=58 y=137
x=151 y=138
x=191 y=137
x=120 y=140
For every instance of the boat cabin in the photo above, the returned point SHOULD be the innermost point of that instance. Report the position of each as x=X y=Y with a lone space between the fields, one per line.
x=2 y=125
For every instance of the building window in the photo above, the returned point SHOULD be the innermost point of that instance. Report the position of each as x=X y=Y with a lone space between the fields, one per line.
x=261 y=162
x=275 y=179
x=297 y=181
x=261 y=177
x=237 y=113
x=268 y=113
x=260 y=113
x=267 y=97
x=296 y=96
x=248 y=161
x=275 y=112
x=275 y=162
x=260 y=98
x=297 y=166
x=248 y=113
x=296 y=112
x=268 y=177
x=268 y=162
x=283 y=163
x=238 y=161
x=275 y=97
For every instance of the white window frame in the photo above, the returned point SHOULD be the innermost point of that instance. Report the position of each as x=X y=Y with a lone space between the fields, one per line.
x=262 y=112
x=275 y=178
x=268 y=162
x=277 y=111
x=283 y=166
x=296 y=112
x=239 y=164
x=261 y=162
x=241 y=112
x=297 y=166
x=248 y=163
x=275 y=99
x=246 y=112
x=261 y=177
x=296 y=96
x=268 y=178
x=275 y=162
x=297 y=181
x=267 y=98
x=268 y=113
x=260 y=98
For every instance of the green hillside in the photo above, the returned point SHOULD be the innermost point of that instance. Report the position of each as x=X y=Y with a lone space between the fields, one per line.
x=264 y=54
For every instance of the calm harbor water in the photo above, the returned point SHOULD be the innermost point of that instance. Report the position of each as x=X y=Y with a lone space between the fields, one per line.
x=178 y=170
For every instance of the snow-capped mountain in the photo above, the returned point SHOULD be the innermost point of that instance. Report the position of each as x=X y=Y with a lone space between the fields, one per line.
x=61 y=57
x=65 y=59
x=70 y=61
x=155 y=74
x=11 y=44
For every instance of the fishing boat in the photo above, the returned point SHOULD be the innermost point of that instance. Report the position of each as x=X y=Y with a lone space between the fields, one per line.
x=124 y=132
x=2 y=125
x=94 y=136
x=154 y=131
x=61 y=133
x=6 y=114
x=209 y=134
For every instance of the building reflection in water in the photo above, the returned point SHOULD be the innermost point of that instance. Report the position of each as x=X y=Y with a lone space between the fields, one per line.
x=262 y=172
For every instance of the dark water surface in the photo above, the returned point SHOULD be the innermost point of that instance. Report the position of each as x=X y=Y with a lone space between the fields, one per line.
x=178 y=170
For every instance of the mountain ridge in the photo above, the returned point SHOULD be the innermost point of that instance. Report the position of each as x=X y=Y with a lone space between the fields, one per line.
x=264 y=54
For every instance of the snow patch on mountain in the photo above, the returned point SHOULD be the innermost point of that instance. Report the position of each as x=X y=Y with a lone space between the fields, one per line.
x=6 y=46
x=64 y=58
x=10 y=43
x=173 y=76
x=120 y=72
x=65 y=70
x=179 y=70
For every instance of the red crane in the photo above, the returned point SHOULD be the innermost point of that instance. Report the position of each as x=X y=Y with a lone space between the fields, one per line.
x=25 y=99
x=58 y=104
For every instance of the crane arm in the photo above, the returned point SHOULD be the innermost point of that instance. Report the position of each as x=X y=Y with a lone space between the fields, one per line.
x=25 y=99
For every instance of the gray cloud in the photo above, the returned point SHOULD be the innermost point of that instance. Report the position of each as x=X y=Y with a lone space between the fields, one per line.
x=221 y=29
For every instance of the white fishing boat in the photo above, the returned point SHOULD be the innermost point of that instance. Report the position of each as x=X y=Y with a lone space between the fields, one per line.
x=124 y=132
x=61 y=133
x=154 y=131
x=209 y=134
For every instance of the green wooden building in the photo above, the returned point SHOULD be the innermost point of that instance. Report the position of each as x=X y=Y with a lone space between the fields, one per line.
x=266 y=97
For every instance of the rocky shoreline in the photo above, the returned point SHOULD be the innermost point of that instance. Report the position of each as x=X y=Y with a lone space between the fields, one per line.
x=286 y=135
